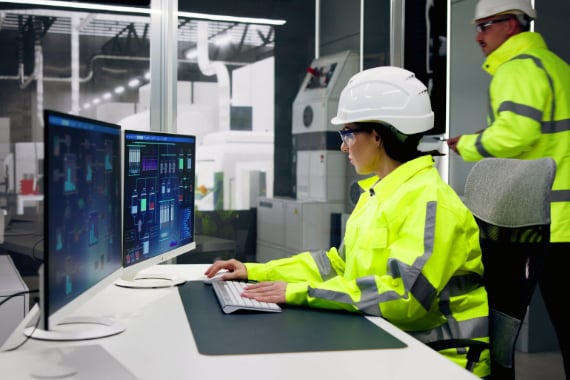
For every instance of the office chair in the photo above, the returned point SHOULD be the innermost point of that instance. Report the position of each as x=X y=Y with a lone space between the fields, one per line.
x=510 y=200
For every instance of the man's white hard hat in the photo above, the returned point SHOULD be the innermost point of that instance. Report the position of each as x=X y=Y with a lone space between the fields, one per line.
x=488 y=8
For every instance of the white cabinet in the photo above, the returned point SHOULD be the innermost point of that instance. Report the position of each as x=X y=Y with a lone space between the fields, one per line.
x=321 y=175
x=288 y=226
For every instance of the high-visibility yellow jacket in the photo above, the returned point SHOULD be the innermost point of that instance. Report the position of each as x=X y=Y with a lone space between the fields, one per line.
x=410 y=254
x=529 y=116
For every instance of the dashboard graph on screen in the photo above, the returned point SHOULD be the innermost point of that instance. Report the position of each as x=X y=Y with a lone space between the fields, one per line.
x=158 y=200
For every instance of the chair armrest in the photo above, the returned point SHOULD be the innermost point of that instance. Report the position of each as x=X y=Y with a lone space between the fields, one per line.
x=474 y=348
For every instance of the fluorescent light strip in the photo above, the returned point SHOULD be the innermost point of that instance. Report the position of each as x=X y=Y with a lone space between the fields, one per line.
x=248 y=20
x=117 y=8
x=74 y=5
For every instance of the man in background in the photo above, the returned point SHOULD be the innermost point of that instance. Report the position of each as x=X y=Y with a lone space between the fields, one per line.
x=529 y=118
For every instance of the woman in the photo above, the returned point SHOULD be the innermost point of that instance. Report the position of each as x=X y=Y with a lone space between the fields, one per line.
x=411 y=249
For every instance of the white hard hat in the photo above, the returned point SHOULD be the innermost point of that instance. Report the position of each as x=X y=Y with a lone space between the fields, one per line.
x=487 y=8
x=386 y=94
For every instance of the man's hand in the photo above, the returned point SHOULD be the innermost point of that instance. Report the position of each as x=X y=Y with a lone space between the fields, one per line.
x=452 y=143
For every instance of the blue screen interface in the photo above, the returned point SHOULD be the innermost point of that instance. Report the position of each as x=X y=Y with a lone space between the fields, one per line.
x=159 y=177
x=83 y=205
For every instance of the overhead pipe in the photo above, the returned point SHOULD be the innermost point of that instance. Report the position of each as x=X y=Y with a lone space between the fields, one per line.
x=219 y=69
x=89 y=76
x=39 y=74
x=76 y=26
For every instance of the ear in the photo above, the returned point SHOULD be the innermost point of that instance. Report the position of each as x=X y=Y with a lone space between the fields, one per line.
x=513 y=26
x=379 y=141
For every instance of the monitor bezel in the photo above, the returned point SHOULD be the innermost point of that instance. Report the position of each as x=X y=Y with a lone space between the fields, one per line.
x=139 y=275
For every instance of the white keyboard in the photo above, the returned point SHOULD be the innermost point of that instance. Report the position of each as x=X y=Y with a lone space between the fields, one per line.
x=228 y=294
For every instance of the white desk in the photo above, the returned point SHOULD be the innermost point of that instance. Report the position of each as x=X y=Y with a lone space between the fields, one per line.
x=158 y=344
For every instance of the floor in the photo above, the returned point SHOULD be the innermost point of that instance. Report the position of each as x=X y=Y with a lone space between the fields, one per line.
x=542 y=366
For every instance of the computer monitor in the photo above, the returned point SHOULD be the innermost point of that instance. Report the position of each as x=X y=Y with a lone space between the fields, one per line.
x=158 y=204
x=82 y=227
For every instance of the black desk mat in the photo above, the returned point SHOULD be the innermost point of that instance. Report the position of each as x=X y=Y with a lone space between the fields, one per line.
x=295 y=329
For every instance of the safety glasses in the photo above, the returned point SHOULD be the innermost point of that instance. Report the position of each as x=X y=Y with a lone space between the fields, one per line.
x=347 y=135
x=483 y=26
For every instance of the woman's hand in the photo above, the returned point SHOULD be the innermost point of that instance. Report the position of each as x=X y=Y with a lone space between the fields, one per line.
x=236 y=270
x=267 y=291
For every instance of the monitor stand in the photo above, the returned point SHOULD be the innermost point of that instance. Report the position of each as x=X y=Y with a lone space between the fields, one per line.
x=150 y=280
x=67 y=330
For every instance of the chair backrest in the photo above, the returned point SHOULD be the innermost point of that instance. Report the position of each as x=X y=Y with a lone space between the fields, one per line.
x=511 y=193
x=510 y=200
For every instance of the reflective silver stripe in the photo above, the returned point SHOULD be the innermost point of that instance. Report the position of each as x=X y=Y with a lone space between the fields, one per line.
x=556 y=126
x=521 y=109
x=323 y=264
x=445 y=309
x=546 y=127
x=468 y=329
x=370 y=298
x=342 y=251
x=330 y=295
x=551 y=126
x=480 y=148
x=560 y=196
x=412 y=277
x=490 y=108
x=539 y=64
x=422 y=289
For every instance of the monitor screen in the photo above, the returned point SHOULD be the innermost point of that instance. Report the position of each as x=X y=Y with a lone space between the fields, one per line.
x=158 y=203
x=82 y=229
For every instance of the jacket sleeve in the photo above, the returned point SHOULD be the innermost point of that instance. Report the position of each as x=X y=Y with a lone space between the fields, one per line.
x=300 y=271
x=514 y=126
x=401 y=286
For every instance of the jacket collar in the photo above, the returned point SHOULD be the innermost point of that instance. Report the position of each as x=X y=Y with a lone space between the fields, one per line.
x=397 y=177
x=511 y=48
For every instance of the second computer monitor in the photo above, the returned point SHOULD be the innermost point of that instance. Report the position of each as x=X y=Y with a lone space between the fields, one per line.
x=158 y=204
x=82 y=240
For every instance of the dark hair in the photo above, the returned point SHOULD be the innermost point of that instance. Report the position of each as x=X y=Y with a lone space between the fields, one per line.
x=399 y=147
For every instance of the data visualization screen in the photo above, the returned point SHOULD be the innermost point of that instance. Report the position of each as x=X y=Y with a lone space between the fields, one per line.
x=158 y=210
x=83 y=206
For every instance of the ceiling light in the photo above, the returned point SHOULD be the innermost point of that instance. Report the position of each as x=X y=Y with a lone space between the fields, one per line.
x=248 y=20
x=78 y=5
x=128 y=9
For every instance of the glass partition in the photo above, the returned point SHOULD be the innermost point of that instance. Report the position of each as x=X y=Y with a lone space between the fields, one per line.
x=225 y=97
x=92 y=63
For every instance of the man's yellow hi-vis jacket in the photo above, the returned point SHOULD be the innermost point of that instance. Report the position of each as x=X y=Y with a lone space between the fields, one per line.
x=410 y=255
x=529 y=116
